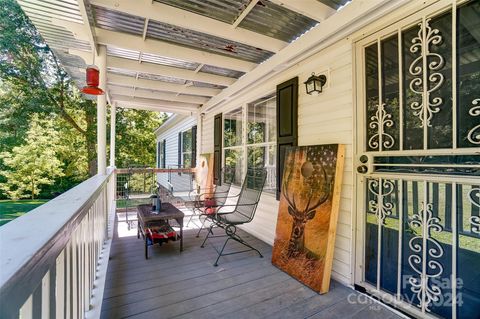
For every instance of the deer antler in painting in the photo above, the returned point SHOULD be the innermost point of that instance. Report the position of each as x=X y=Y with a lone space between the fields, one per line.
x=312 y=184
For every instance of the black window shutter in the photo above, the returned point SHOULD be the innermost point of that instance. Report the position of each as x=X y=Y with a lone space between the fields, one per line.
x=287 y=126
x=164 y=152
x=194 y=146
x=179 y=149
x=217 y=149
x=159 y=145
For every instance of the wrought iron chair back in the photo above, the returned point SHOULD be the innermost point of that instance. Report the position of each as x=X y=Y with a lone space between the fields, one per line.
x=248 y=197
x=217 y=198
x=221 y=191
x=243 y=212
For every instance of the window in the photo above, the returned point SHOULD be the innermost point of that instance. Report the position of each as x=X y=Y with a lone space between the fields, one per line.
x=186 y=148
x=161 y=154
x=232 y=142
x=261 y=138
x=256 y=139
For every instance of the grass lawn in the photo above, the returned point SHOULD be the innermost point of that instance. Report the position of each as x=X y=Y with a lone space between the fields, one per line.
x=11 y=209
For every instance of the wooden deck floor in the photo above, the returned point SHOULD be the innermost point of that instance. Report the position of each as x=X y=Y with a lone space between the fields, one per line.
x=186 y=285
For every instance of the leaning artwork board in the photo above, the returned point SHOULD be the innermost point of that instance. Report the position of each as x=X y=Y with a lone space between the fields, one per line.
x=308 y=213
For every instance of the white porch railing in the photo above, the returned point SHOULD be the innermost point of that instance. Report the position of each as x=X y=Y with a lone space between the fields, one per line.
x=53 y=260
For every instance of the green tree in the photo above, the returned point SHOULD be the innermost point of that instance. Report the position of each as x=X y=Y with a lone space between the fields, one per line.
x=135 y=137
x=34 y=82
x=34 y=163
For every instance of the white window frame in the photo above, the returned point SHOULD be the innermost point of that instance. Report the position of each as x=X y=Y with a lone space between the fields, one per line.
x=244 y=145
x=182 y=153
x=160 y=153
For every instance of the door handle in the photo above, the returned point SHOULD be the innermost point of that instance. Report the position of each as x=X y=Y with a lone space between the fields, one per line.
x=362 y=169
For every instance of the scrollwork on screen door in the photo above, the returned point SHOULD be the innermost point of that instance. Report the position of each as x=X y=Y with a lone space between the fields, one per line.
x=424 y=69
x=474 y=133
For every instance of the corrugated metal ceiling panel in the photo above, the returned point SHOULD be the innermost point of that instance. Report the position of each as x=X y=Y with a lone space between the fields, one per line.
x=152 y=58
x=223 y=10
x=162 y=78
x=202 y=41
x=221 y=71
x=121 y=72
x=207 y=85
x=57 y=37
x=276 y=21
x=123 y=53
x=117 y=21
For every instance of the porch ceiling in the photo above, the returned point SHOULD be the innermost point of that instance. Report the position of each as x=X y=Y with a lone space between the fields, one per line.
x=173 y=55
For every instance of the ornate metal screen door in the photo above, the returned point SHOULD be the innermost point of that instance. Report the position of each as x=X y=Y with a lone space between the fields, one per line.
x=418 y=161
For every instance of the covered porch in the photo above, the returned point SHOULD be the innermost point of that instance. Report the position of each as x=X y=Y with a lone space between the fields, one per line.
x=186 y=285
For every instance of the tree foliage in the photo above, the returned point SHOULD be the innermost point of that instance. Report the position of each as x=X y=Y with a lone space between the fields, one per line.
x=35 y=90
x=135 y=137
x=34 y=163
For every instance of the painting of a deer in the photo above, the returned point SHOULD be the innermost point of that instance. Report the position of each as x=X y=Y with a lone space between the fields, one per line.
x=308 y=212
x=316 y=188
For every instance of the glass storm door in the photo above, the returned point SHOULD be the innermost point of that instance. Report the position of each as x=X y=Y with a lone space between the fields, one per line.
x=418 y=161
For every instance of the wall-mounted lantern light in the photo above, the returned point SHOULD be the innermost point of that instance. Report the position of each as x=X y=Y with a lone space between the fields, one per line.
x=92 y=88
x=315 y=83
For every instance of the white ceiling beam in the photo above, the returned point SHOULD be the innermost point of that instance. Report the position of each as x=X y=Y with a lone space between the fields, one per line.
x=244 y=13
x=152 y=68
x=136 y=43
x=310 y=8
x=142 y=100
x=88 y=29
x=160 y=86
x=145 y=28
x=356 y=15
x=170 y=106
x=188 y=20
x=139 y=92
x=153 y=108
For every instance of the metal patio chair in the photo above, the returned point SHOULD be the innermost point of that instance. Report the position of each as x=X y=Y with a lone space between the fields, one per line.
x=208 y=202
x=243 y=212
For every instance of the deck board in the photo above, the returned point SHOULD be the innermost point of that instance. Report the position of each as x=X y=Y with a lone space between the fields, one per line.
x=184 y=285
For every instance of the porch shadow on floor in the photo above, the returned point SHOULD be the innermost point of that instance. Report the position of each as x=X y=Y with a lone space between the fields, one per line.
x=185 y=285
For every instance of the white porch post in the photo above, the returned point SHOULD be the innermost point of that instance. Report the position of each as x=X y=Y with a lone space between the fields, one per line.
x=101 y=113
x=113 y=115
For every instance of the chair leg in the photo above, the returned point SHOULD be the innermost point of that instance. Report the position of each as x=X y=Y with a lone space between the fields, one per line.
x=243 y=242
x=208 y=234
x=202 y=226
x=221 y=251
x=230 y=231
x=190 y=219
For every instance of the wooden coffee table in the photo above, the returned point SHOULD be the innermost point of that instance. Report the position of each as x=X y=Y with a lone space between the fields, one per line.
x=147 y=218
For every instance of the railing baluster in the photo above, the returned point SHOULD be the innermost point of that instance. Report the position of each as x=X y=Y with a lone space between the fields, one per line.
x=46 y=296
x=26 y=312
x=60 y=286
x=37 y=302
x=68 y=281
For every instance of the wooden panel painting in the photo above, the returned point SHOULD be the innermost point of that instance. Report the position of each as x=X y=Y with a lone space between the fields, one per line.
x=204 y=173
x=308 y=212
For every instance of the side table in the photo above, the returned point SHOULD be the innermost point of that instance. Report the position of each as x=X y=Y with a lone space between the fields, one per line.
x=148 y=218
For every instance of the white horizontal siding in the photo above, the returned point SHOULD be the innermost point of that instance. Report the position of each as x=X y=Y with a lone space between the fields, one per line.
x=207 y=135
x=171 y=148
x=323 y=119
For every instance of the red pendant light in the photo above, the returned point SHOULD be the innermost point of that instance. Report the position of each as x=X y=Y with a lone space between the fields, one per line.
x=92 y=81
